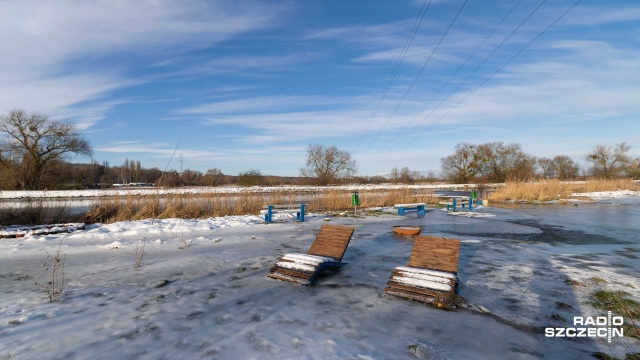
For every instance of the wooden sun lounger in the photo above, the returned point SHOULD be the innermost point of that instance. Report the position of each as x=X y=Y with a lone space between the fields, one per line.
x=430 y=276
x=327 y=250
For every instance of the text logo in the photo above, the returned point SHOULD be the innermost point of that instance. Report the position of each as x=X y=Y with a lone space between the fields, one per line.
x=587 y=326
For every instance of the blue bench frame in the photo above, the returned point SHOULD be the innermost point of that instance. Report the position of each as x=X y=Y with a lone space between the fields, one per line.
x=452 y=206
x=268 y=217
x=420 y=208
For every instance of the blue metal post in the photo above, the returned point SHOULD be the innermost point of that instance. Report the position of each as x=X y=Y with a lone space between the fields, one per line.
x=453 y=201
x=401 y=211
x=470 y=204
x=268 y=217
x=301 y=216
x=420 y=210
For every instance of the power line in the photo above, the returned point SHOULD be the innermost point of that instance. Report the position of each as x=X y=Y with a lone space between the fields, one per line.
x=452 y=76
x=494 y=73
x=419 y=73
x=385 y=155
x=407 y=44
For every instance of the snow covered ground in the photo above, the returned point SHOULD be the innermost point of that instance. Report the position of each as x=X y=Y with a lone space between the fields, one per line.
x=531 y=266
x=37 y=194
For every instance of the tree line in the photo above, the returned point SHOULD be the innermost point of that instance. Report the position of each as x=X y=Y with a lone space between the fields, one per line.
x=34 y=154
x=499 y=162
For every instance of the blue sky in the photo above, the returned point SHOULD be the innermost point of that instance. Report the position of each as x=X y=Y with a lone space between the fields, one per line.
x=239 y=84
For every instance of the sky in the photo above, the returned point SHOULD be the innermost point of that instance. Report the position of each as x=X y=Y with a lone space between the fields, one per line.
x=239 y=85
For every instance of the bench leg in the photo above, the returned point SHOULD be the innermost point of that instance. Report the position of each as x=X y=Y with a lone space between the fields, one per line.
x=470 y=204
x=267 y=216
x=420 y=210
x=454 y=204
x=301 y=215
x=401 y=211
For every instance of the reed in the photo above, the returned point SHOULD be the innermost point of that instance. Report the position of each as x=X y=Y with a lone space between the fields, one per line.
x=548 y=190
x=215 y=205
x=35 y=213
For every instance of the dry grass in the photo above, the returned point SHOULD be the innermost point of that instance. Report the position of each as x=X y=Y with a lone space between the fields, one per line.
x=53 y=279
x=35 y=213
x=548 y=190
x=214 y=205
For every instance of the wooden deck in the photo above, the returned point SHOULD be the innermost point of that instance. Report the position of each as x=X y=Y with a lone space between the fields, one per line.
x=430 y=253
x=331 y=241
x=437 y=253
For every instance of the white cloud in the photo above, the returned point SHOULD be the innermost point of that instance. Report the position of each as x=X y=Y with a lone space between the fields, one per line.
x=600 y=15
x=59 y=54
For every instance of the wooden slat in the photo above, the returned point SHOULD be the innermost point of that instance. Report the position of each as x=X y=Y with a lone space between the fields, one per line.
x=331 y=241
x=299 y=274
x=288 y=278
x=452 y=282
x=410 y=295
x=437 y=253
x=417 y=290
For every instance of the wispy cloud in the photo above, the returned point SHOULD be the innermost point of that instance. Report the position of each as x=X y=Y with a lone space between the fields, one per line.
x=263 y=104
x=42 y=43
x=600 y=15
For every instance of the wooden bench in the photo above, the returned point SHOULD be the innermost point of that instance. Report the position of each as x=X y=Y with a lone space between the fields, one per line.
x=326 y=250
x=466 y=203
x=299 y=209
x=406 y=207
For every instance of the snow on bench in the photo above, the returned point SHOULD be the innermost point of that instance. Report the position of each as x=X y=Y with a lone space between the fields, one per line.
x=466 y=203
x=406 y=207
x=299 y=209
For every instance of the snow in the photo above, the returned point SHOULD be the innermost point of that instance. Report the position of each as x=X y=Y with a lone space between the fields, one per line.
x=213 y=300
x=608 y=194
x=37 y=194
x=297 y=266
x=429 y=284
x=307 y=259
x=303 y=262
x=427 y=272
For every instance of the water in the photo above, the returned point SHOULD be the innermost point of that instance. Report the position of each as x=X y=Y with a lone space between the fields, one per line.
x=614 y=221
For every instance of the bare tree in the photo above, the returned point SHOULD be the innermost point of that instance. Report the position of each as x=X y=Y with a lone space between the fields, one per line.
x=213 y=177
x=328 y=164
x=405 y=176
x=565 y=168
x=251 y=177
x=32 y=145
x=609 y=161
x=394 y=175
x=502 y=162
x=546 y=167
x=463 y=165
x=633 y=170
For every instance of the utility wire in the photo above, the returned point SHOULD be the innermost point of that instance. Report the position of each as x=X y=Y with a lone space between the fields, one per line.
x=453 y=76
x=468 y=76
x=386 y=154
x=492 y=75
x=419 y=73
x=407 y=44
